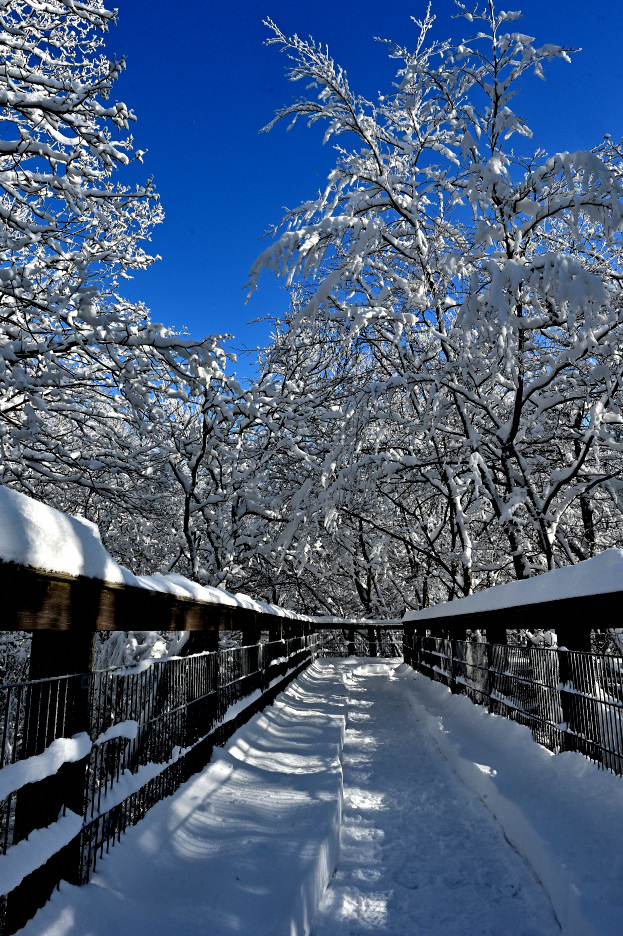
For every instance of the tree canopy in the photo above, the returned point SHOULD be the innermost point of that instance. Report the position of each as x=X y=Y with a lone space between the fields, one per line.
x=438 y=410
x=463 y=292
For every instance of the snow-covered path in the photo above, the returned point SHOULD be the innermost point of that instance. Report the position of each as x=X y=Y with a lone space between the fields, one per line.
x=420 y=855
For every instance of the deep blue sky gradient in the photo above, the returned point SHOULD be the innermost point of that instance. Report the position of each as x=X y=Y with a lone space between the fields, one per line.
x=202 y=84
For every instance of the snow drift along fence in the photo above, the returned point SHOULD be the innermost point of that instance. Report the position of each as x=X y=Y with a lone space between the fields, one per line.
x=84 y=756
x=571 y=700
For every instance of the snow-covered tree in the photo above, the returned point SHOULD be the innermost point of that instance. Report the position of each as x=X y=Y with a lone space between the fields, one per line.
x=81 y=369
x=474 y=286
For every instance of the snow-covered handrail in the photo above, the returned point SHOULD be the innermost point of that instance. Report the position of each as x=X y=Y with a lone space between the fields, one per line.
x=55 y=573
x=571 y=601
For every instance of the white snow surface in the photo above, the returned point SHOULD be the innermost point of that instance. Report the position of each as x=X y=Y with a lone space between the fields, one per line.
x=125 y=729
x=455 y=823
x=33 y=534
x=39 y=766
x=596 y=576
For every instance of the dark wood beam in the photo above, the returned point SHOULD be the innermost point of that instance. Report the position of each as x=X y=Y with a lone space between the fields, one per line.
x=35 y=600
x=571 y=618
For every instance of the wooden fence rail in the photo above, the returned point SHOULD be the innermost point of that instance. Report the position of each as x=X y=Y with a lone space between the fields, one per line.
x=573 y=619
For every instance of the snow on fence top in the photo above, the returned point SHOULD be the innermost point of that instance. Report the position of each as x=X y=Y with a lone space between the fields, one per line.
x=597 y=576
x=38 y=536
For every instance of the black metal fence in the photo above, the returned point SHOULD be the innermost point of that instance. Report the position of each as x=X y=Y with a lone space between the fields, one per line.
x=363 y=641
x=138 y=733
x=570 y=700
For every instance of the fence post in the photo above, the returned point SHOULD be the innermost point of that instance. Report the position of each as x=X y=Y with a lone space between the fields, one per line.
x=407 y=643
x=496 y=635
x=410 y=647
x=573 y=638
x=53 y=709
x=200 y=642
x=53 y=654
x=372 y=643
x=455 y=634
x=351 y=641
x=275 y=628
x=292 y=628
x=251 y=632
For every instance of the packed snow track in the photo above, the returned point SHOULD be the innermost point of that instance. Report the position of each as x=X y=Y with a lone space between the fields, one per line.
x=451 y=820
x=420 y=854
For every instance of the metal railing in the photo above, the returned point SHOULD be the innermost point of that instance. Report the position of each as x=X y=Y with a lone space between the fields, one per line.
x=571 y=700
x=374 y=641
x=138 y=733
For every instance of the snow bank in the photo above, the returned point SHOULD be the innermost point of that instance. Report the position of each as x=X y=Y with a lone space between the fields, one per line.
x=247 y=846
x=33 y=852
x=597 y=576
x=560 y=812
x=374 y=669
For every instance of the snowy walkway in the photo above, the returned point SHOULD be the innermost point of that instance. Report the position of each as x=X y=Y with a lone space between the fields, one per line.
x=421 y=855
x=435 y=790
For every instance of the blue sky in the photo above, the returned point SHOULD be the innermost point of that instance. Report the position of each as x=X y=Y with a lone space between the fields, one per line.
x=202 y=84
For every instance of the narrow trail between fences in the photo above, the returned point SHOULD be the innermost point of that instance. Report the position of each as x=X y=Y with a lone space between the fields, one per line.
x=361 y=750
x=420 y=854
